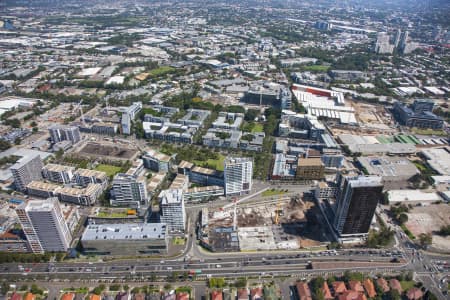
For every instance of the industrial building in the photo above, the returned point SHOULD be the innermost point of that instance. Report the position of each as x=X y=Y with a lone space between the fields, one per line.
x=44 y=225
x=395 y=171
x=324 y=103
x=125 y=239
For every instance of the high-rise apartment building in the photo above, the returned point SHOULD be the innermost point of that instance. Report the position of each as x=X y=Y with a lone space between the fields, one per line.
x=357 y=200
x=129 y=115
x=44 y=225
x=382 y=44
x=26 y=170
x=238 y=174
x=129 y=190
x=59 y=133
x=173 y=213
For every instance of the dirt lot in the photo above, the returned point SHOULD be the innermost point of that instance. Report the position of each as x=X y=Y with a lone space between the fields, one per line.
x=110 y=150
x=429 y=219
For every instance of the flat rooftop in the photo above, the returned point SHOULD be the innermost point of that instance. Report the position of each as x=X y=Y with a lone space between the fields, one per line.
x=131 y=231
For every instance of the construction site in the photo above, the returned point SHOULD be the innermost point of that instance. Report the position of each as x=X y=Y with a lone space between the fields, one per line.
x=107 y=150
x=287 y=223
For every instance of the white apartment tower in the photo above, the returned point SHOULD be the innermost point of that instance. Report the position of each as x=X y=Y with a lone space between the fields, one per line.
x=26 y=170
x=173 y=213
x=44 y=225
x=238 y=174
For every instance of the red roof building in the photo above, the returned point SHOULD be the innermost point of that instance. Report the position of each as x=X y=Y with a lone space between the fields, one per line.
x=326 y=292
x=352 y=295
x=355 y=285
x=395 y=285
x=414 y=294
x=369 y=287
x=382 y=283
x=339 y=287
x=256 y=293
x=216 y=295
x=242 y=294
x=304 y=293
x=182 y=296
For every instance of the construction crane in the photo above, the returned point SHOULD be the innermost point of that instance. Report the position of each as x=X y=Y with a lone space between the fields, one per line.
x=79 y=107
x=278 y=212
x=235 y=214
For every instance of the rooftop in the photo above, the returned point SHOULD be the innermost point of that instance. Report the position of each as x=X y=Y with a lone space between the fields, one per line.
x=128 y=231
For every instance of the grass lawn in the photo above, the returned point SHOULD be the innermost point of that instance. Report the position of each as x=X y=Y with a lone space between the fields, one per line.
x=429 y=132
x=178 y=241
x=257 y=128
x=315 y=68
x=406 y=285
x=115 y=214
x=108 y=169
x=215 y=163
x=161 y=71
x=273 y=192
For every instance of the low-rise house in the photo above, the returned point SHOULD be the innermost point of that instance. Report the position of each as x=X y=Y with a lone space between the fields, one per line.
x=383 y=284
x=216 y=295
x=16 y=296
x=356 y=286
x=369 y=287
x=68 y=296
x=326 y=292
x=304 y=293
x=339 y=287
x=256 y=293
x=395 y=285
x=242 y=294
x=352 y=295
x=182 y=296
x=414 y=294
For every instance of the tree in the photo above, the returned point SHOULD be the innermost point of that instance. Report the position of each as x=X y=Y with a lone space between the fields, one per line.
x=425 y=239
x=5 y=288
x=402 y=218
x=394 y=295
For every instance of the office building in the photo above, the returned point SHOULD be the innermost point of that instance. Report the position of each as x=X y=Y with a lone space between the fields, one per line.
x=125 y=239
x=58 y=173
x=173 y=213
x=421 y=106
x=129 y=190
x=205 y=176
x=84 y=177
x=25 y=170
x=44 y=225
x=157 y=161
x=310 y=169
x=238 y=174
x=357 y=200
x=59 y=133
x=422 y=118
